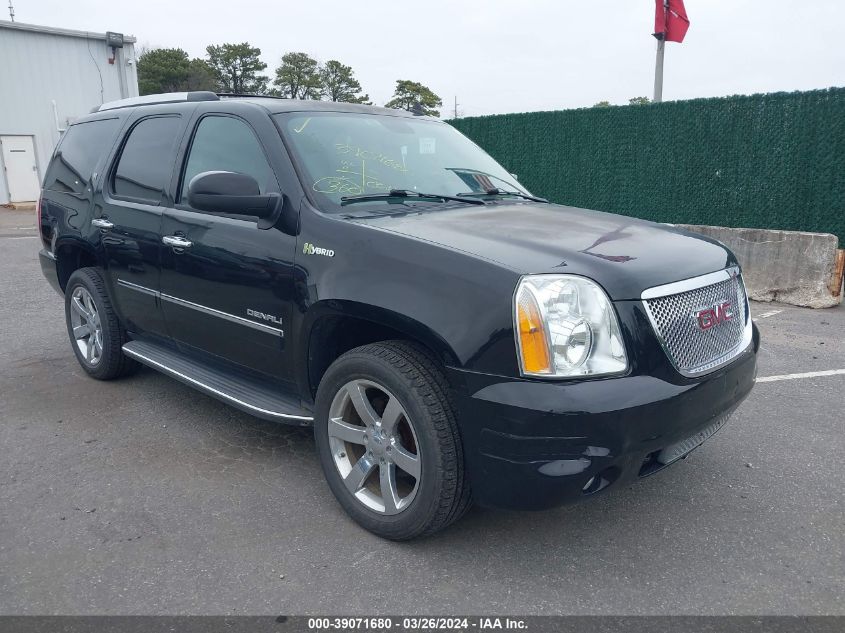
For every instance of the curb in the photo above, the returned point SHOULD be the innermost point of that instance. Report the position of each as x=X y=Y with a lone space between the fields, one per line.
x=19 y=206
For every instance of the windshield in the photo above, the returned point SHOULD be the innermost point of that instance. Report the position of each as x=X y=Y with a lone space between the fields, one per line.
x=343 y=155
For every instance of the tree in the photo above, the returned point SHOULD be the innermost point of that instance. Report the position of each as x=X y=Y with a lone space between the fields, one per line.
x=170 y=70
x=602 y=104
x=298 y=77
x=200 y=76
x=409 y=95
x=639 y=101
x=237 y=68
x=339 y=83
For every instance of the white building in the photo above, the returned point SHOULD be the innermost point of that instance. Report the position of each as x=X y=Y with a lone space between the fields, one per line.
x=48 y=78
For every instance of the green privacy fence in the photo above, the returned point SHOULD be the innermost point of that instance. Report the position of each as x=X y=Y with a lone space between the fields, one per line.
x=761 y=161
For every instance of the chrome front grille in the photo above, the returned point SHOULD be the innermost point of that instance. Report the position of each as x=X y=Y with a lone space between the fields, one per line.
x=676 y=309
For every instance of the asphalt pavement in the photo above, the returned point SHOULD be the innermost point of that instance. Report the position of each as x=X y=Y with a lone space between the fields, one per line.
x=142 y=496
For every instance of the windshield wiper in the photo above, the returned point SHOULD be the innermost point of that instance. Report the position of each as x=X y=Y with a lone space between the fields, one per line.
x=404 y=193
x=501 y=192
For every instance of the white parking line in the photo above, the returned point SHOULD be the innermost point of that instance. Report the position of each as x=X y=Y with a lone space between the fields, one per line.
x=18 y=237
x=768 y=314
x=809 y=374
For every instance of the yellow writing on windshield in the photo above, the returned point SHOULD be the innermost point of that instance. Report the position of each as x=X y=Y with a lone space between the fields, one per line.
x=353 y=179
x=299 y=129
x=365 y=154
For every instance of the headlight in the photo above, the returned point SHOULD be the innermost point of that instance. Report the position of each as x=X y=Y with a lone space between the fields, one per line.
x=566 y=326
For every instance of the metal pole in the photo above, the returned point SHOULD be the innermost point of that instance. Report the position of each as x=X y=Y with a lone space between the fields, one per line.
x=661 y=48
x=658 y=71
x=11 y=11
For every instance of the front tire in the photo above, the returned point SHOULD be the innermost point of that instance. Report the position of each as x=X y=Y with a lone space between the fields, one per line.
x=388 y=441
x=95 y=332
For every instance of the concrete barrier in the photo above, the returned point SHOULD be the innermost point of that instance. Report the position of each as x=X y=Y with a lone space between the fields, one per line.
x=788 y=266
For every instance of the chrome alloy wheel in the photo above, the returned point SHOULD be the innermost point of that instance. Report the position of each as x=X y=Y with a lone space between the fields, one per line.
x=87 y=329
x=370 y=431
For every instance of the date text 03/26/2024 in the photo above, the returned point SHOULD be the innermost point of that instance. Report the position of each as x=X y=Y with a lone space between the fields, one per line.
x=416 y=623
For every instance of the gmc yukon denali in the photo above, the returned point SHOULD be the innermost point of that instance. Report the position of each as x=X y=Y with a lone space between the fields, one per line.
x=371 y=273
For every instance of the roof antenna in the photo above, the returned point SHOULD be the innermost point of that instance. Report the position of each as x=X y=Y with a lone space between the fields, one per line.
x=11 y=11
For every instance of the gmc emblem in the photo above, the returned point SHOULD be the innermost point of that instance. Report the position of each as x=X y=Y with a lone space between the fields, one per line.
x=710 y=317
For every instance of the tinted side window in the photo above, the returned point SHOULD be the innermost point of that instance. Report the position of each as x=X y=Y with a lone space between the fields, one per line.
x=78 y=153
x=222 y=143
x=143 y=170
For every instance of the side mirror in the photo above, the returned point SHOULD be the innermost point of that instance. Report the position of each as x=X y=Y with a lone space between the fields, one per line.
x=231 y=193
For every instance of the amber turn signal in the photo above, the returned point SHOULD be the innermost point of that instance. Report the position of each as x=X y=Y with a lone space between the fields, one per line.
x=532 y=336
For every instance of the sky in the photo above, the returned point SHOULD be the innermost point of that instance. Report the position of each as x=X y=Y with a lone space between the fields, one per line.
x=499 y=56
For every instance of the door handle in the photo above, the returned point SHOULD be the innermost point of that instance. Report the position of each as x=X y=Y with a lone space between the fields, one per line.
x=102 y=223
x=176 y=241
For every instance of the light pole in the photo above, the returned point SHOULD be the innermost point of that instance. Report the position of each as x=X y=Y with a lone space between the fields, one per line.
x=658 y=70
x=661 y=49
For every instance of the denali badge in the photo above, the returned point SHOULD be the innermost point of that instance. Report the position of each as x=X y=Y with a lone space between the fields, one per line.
x=261 y=315
x=710 y=317
x=309 y=249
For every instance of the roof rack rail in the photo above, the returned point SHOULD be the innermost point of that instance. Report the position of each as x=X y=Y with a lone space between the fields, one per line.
x=166 y=97
x=231 y=95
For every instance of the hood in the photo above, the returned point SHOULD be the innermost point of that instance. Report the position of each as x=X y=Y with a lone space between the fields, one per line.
x=625 y=255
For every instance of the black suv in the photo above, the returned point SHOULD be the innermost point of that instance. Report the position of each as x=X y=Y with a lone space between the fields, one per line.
x=376 y=275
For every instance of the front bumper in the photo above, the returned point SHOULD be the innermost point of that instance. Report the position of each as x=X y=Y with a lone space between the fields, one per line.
x=533 y=445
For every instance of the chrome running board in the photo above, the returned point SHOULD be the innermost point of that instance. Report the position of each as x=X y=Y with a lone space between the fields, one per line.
x=240 y=391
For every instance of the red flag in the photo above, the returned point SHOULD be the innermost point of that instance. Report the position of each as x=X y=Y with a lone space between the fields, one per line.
x=670 y=20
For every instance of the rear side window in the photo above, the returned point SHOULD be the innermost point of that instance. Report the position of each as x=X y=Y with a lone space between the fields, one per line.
x=144 y=167
x=223 y=143
x=79 y=152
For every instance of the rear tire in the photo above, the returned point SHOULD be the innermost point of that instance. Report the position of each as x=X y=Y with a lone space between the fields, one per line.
x=95 y=332
x=388 y=441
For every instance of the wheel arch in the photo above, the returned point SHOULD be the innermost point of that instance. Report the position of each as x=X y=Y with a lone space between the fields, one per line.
x=333 y=327
x=71 y=255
